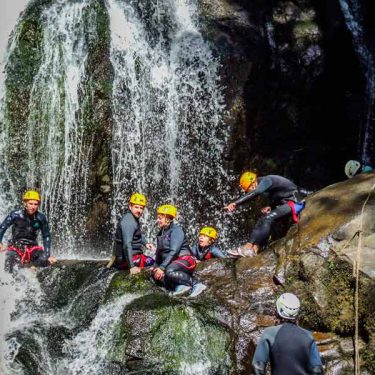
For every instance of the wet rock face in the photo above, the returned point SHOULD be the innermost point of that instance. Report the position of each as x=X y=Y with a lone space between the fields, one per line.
x=140 y=327
x=316 y=260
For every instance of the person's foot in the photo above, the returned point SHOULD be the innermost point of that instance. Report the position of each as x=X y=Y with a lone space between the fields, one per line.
x=198 y=288
x=181 y=290
x=247 y=250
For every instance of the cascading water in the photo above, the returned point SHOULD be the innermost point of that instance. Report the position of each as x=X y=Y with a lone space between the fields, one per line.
x=54 y=142
x=354 y=20
x=59 y=160
x=168 y=136
x=168 y=142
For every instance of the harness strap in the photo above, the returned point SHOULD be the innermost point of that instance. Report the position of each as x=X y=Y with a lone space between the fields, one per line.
x=208 y=255
x=296 y=209
x=26 y=254
x=189 y=259
x=141 y=258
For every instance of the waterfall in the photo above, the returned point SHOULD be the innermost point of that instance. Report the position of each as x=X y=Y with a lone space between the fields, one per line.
x=6 y=196
x=354 y=20
x=169 y=136
x=84 y=358
x=58 y=159
x=54 y=146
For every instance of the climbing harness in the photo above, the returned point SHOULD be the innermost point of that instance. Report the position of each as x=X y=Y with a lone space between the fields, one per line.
x=189 y=259
x=24 y=251
x=296 y=208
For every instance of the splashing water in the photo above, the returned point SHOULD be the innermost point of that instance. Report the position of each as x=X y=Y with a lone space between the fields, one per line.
x=168 y=136
x=86 y=358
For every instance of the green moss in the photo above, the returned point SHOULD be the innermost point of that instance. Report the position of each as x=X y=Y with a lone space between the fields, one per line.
x=178 y=335
x=123 y=283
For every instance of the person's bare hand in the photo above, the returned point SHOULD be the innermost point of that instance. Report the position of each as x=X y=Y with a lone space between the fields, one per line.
x=151 y=246
x=134 y=270
x=266 y=210
x=52 y=260
x=158 y=274
x=231 y=207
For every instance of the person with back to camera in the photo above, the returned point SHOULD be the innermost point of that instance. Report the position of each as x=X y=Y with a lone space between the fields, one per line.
x=288 y=348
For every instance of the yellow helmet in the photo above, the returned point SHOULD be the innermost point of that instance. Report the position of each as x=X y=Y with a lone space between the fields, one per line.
x=138 y=198
x=167 y=209
x=246 y=179
x=209 y=232
x=31 y=195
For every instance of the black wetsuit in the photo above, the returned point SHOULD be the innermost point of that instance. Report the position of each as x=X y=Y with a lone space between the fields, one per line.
x=280 y=190
x=206 y=253
x=291 y=350
x=172 y=244
x=25 y=228
x=129 y=242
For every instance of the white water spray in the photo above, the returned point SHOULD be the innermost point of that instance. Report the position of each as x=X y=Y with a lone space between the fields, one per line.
x=168 y=136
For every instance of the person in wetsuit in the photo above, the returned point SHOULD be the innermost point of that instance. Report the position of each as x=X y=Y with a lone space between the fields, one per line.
x=286 y=201
x=26 y=223
x=174 y=263
x=290 y=350
x=204 y=248
x=129 y=241
x=354 y=167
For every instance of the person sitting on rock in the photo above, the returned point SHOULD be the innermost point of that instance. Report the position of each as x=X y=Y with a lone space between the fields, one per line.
x=174 y=263
x=129 y=241
x=204 y=248
x=26 y=223
x=354 y=167
x=286 y=201
x=288 y=348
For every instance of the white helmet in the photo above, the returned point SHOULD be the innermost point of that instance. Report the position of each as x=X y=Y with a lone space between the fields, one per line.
x=288 y=306
x=352 y=167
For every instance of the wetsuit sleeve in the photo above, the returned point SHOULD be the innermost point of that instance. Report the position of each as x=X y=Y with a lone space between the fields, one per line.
x=194 y=250
x=263 y=186
x=128 y=227
x=217 y=253
x=263 y=349
x=46 y=234
x=316 y=364
x=177 y=239
x=8 y=221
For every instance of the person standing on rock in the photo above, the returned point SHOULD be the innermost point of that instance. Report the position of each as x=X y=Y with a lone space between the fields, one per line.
x=288 y=348
x=174 y=263
x=204 y=248
x=129 y=241
x=26 y=224
x=286 y=201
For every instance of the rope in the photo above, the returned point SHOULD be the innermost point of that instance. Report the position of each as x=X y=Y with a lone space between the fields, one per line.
x=356 y=266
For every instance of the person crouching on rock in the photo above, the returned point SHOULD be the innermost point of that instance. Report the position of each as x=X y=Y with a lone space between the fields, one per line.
x=174 y=263
x=204 y=248
x=286 y=201
x=26 y=223
x=129 y=241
